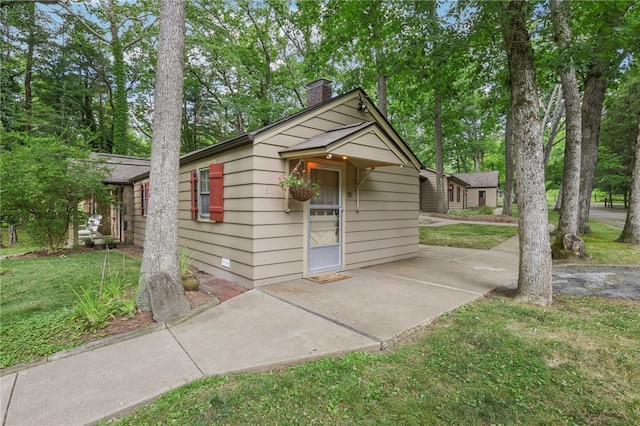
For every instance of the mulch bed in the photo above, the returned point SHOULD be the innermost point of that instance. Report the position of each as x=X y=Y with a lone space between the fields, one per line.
x=210 y=288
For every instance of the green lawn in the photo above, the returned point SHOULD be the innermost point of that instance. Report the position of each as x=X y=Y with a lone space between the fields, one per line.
x=467 y=235
x=24 y=244
x=601 y=245
x=37 y=305
x=492 y=361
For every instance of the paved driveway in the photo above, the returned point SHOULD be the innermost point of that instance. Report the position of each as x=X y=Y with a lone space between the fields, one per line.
x=613 y=217
x=384 y=301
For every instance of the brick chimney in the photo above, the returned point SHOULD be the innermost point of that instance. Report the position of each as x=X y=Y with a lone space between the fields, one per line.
x=318 y=92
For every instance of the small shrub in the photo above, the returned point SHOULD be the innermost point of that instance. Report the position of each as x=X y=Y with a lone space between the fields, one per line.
x=110 y=243
x=89 y=243
x=93 y=309
x=113 y=298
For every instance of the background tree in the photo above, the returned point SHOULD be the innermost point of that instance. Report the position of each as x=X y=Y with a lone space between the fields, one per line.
x=631 y=232
x=609 y=28
x=534 y=277
x=43 y=181
x=120 y=27
x=160 y=283
x=618 y=136
x=568 y=221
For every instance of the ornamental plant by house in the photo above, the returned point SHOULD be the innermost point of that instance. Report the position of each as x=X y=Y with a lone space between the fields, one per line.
x=299 y=184
x=190 y=281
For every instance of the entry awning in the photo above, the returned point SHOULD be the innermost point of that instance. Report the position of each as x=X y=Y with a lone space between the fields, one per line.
x=363 y=144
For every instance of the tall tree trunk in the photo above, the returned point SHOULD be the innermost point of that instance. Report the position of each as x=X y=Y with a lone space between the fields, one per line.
x=508 y=156
x=121 y=107
x=440 y=190
x=631 y=232
x=592 y=104
x=13 y=234
x=553 y=120
x=160 y=283
x=28 y=73
x=568 y=222
x=534 y=277
x=382 y=94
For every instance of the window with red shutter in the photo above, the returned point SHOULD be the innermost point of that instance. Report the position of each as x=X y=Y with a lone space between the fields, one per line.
x=216 y=192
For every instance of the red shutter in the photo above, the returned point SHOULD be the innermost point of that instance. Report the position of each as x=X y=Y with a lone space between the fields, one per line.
x=146 y=193
x=142 y=197
x=194 y=194
x=216 y=192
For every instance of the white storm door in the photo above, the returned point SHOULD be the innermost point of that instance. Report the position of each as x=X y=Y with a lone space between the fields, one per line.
x=324 y=230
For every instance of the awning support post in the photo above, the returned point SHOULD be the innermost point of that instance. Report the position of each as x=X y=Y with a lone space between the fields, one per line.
x=360 y=182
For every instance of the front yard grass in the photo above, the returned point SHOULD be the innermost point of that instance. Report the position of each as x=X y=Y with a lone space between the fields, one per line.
x=24 y=244
x=467 y=235
x=492 y=361
x=37 y=304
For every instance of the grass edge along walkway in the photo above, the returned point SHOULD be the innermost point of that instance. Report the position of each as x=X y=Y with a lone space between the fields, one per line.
x=489 y=362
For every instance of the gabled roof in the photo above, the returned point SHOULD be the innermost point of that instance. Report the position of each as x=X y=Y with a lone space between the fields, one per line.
x=325 y=139
x=364 y=144
x=249 y=137
x=122 y=168
x=479 y=179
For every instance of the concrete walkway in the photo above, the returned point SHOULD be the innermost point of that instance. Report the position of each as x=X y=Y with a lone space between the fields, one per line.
x=264 y=328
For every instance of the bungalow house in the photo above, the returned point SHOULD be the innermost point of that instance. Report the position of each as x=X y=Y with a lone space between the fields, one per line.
x=482 y=188
x=461 y=190
x=117 y=217
x=239 y=224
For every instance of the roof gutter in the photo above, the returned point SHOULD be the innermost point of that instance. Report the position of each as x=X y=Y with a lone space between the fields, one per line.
x=227 y=145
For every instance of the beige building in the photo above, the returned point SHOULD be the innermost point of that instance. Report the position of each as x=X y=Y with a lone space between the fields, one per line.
x=117 y=216
x=482 y=188
x=239 y=224
x=461 y=190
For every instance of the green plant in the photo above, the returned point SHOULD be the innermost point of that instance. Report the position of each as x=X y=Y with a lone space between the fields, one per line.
x=185 y=262
x=93 y=308
x=89 y=243
x=298 y=178
x=110 y=243
x=111 y=299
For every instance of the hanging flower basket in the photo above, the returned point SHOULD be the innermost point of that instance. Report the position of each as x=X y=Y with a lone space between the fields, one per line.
x=302 y=193
x=298 y=183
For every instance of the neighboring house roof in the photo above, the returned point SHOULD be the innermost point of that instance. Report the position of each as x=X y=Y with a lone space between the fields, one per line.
x=479 y=179
x=123 y=169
